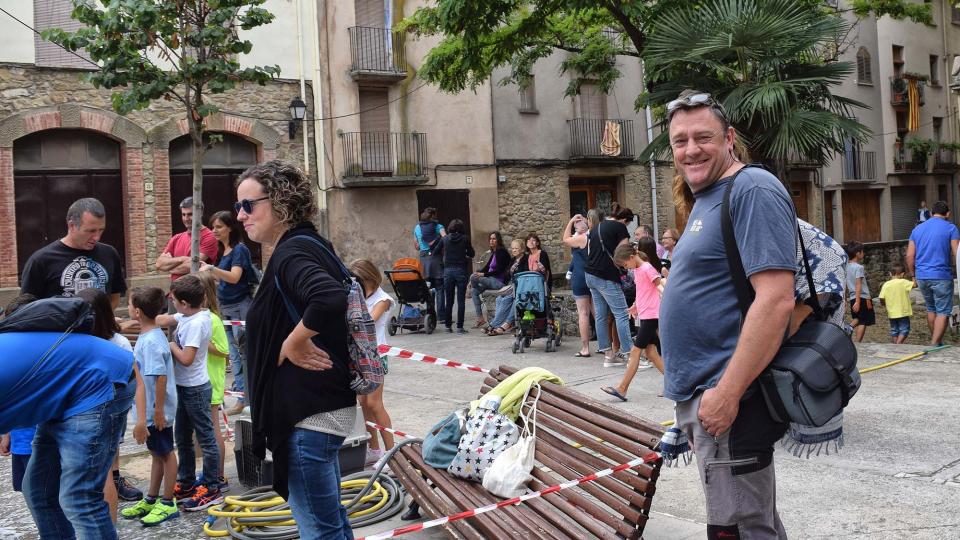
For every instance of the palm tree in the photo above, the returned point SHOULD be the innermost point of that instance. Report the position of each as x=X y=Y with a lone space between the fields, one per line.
x=771 y=63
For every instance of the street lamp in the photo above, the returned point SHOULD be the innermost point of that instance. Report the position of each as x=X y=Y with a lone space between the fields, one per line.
x=298 y=109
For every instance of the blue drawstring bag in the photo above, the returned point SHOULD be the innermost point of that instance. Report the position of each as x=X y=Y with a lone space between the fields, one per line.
x=440 y=444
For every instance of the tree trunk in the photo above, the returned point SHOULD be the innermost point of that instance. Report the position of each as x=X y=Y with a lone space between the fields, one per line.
x=198 y=151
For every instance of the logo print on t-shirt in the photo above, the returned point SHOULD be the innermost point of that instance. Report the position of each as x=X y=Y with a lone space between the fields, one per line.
x=696 y=226
x=83 y=273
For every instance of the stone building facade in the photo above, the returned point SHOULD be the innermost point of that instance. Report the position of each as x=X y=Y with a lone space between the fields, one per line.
x=36 y=99
x=536 y=198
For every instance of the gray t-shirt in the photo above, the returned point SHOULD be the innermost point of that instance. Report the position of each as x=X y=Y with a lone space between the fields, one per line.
x=699 y=315
x=854 y=271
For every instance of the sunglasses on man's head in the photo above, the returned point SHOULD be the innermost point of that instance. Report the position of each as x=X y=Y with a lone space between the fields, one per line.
x=695 y=100
x=247 y=205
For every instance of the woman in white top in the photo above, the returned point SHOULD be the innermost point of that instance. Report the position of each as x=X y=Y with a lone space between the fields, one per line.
x=378 y=305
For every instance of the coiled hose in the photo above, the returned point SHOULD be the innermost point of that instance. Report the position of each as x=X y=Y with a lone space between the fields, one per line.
x=260 y=514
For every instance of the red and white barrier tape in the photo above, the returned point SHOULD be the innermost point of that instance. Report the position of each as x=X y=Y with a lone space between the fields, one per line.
x=388 y=430
x=234 y=323
x=649 y=458
x=231 y=393
x=226 y=424
x=387 y=350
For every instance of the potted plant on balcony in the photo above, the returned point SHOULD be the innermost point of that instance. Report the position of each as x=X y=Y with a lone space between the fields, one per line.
x=947 y=155
x=921 y=149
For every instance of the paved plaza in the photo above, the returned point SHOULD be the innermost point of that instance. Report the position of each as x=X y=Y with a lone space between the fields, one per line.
x=897 y=477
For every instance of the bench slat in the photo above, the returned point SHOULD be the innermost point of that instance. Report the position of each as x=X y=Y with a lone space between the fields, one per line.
x=575 y=505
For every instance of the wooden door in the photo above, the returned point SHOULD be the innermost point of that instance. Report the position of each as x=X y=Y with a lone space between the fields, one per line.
x=828 y=212
x=861 y=215
x=800 y=193
x=588 y=193
x=450 y=204
x=375 y=137
x=218 y=194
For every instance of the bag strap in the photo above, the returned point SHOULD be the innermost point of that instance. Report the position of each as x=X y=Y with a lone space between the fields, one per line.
x=745 y=292
x=291 y=309
x=602 y=246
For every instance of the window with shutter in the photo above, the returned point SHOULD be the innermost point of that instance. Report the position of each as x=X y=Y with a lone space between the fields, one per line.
x=864 y=75
x=528 y=98
x=55 y=14
x=593 y=102
x=371 y=13
x=375 y=141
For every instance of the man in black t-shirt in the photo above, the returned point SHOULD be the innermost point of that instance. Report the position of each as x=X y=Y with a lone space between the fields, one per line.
x=603 y=280
x=78 y=260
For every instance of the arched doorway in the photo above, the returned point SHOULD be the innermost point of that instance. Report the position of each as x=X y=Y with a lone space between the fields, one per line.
x=53 y=168
x=221 y=165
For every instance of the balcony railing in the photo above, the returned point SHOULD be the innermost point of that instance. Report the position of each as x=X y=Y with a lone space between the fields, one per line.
x=945 y=160
x=587 y=138
x=378 y=158
x=377 y=54
x=800 y=161
x=900 y=93
x=904 y=162
x=859 y=166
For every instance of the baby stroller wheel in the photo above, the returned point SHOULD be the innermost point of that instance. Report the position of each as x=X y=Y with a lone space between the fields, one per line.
x=526 y=343
x=392 y=327
x=550 y=347
x=430 y=322
x=516 y=347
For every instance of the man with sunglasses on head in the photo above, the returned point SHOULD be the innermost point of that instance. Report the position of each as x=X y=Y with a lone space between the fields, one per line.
x=176 y=255
x=711 y=373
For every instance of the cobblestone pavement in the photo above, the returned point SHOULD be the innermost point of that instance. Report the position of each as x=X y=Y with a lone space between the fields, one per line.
x=897 y=477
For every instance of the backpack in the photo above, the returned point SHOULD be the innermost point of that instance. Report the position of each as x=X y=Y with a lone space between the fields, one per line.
x=366 y=367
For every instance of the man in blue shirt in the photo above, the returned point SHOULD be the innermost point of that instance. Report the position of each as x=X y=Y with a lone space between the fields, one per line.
x=933 y=244
x=427 y=234
x=79 y=392
x=712 y=361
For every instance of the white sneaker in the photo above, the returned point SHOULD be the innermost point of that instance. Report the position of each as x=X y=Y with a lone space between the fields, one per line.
x=616 y=361
x=644 y=364
x=373 y=456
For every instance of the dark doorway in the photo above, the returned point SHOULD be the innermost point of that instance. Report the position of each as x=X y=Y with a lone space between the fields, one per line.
x=450 y=204
x=54 y=168
x=589 y=193
x=223 y=163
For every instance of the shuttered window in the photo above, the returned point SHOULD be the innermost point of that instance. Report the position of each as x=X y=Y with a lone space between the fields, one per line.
x=593 y=102
x=55 y=14
x=904 y=201
x=528 y=97
x=864 y=72
x=375 y=140
x=371 y=13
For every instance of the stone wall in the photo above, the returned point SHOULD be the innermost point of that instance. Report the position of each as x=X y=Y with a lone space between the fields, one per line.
x=35 y=99
x=536 y=198
x=879 y=258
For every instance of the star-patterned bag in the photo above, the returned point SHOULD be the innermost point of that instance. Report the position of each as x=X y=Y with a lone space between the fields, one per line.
x=488 y=434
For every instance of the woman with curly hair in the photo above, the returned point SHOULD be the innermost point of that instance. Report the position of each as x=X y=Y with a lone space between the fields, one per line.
x=299 y=378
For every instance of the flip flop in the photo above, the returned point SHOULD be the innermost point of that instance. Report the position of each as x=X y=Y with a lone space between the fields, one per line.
x=581 y=355
x=614 y=392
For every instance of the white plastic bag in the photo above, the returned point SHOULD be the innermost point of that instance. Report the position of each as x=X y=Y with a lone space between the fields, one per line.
x=509 y=473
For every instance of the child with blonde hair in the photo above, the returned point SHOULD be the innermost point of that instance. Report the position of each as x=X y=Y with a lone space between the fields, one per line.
x=378 y=305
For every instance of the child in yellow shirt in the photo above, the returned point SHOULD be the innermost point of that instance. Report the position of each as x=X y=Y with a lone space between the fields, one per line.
x=895 y=295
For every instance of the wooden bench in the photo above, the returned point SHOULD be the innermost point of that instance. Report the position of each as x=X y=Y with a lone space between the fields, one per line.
x=576 y=436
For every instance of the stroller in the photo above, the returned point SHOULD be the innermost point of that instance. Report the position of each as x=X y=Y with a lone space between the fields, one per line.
x=417 y=307
x=535 y=316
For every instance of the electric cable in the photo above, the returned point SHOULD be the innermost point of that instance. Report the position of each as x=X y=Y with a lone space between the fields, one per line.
x=261 y=514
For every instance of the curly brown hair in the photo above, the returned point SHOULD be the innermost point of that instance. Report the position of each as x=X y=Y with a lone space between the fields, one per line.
x=291 y=196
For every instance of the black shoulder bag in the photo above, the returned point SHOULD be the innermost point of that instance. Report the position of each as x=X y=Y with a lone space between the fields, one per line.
x=814 y=374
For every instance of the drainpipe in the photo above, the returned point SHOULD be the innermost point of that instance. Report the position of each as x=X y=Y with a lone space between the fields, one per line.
x=653 y=170
x=303 y=86
x=319 y=131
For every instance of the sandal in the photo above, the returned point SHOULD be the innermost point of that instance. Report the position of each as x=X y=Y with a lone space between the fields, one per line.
x=498 y=331
x=581 y=355
x=614 y=392
x=481 y=322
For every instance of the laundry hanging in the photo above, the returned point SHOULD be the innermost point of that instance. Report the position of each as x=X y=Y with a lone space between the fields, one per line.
x=610 y=145
x=913 y=107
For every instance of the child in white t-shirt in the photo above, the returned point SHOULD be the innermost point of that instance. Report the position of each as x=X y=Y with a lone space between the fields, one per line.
x=194 y=392
x=378 y=305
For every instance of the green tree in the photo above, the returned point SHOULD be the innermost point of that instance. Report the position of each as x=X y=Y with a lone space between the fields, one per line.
x=772 y=65
x=787 y=80
x=175 y=50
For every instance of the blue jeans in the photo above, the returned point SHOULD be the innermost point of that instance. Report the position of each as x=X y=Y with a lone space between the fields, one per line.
x=193 y=416
x=314 y=484
x=937 y=295
x=481 y=284
x=236 y=312
x=608 y=297
x=505 y=312
x=71 y=458
x=455 y=279
x=900 y=326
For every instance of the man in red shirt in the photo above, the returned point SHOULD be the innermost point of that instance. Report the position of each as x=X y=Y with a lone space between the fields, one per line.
x=176 y=255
